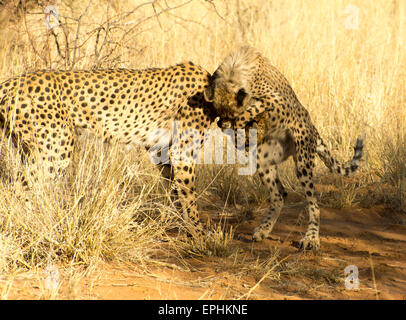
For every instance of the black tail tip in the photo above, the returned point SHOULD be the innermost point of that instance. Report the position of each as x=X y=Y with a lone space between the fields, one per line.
x=359 y=145
x=358 y=149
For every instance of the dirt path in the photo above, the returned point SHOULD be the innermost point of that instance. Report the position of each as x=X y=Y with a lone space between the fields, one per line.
x=373 y=240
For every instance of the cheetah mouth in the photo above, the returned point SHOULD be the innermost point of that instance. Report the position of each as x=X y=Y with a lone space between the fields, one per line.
x=225 y=123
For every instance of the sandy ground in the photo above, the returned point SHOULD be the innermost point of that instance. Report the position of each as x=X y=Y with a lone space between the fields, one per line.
x=373 y=240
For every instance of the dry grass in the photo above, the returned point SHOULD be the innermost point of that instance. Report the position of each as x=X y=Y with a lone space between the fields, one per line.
x=345 y=60
x=107 y=206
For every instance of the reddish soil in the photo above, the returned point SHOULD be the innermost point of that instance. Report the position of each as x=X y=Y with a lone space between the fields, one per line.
x=371 y=239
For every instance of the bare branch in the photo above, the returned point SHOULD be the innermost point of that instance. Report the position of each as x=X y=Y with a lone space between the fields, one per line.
x=216 y=11
x=156 y=14
x=112 y=34
x=75 y=47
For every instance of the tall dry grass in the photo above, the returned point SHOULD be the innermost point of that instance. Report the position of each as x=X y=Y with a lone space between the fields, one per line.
x=345 y=60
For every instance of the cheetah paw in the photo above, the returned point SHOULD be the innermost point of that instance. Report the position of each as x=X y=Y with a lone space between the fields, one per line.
x=309 y=243
x=259 y=234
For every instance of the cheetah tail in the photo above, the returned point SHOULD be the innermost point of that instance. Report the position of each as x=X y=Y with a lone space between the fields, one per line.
x=344 y=169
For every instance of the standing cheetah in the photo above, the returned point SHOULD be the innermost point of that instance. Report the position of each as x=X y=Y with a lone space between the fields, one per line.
x=246 y=88
x=41 y=110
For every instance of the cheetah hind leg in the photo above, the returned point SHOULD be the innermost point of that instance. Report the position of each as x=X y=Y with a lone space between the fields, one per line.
x=45 y=162
x=311 y=240
x=52 y=155
x=270 y=153
x=270 y=178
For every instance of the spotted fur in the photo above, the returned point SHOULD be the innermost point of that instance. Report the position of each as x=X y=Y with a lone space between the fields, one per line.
x=247 y=89
x=41 y=110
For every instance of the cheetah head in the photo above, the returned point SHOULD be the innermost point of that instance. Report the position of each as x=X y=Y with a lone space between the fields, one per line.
x=229 y=88
x=228 y=96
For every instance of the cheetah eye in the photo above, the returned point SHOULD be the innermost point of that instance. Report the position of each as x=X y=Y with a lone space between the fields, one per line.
x=241 y=94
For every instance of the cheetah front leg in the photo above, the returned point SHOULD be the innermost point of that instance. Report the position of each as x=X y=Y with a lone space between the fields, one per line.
x=184 y=183
x=184 y=153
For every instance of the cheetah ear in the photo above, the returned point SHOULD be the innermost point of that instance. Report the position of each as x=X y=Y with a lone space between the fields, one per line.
x=209 y=91
x=241 y=95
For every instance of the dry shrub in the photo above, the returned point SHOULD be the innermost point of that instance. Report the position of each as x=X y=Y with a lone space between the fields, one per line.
x=109 y=205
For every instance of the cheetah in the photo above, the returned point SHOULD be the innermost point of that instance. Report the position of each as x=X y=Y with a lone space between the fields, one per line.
x=246 y=90
x=43 y=109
